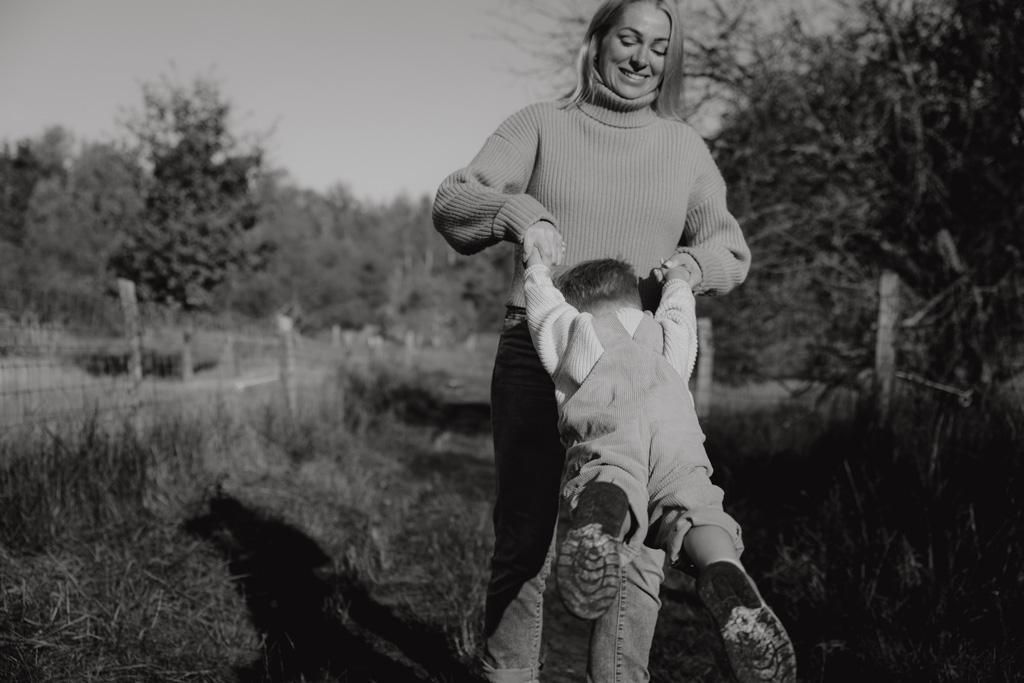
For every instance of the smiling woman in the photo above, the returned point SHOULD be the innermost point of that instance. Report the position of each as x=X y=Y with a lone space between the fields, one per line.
x=611 y=170
x=634 y=48
x=632 y=55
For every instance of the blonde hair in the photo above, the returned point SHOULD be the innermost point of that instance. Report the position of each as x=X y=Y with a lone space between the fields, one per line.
x=668 y=102
x=589 y=284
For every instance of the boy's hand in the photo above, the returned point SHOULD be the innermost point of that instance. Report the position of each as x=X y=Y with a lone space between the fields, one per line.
x=677 y=273
x=680 y=267
x=542 y=244
x=535 y=259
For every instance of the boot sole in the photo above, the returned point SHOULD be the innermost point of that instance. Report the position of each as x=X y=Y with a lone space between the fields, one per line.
x=756 y=643
x=587 y=572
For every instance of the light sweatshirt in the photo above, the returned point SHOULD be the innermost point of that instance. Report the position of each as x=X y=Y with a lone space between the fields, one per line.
x=568 y=346
x=625 y=414
x=615 y=179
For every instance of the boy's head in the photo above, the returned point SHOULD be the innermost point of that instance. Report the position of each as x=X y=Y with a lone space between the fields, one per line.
x=600 y=284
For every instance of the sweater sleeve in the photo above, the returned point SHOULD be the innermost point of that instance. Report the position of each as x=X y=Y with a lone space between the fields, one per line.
x=565 y=339
x=678 y=319
x=712 y=235
x=549 y=317
x=486 y=202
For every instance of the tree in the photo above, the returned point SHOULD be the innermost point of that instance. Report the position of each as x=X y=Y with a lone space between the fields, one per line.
x=21 y=169
x=73 y=222
x=347 y=262
x=894 y=142
x=200 y=197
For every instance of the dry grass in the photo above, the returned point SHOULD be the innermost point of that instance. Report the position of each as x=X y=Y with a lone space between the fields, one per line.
x=99 y=582
x=130 y=604
x=137 y=550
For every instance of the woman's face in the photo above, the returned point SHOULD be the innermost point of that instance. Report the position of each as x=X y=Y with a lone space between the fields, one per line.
x=632 y=54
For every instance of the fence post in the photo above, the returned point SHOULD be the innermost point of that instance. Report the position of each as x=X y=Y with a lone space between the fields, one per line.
x=187 y=367
x=227 y=356
x=705 y=367
x=885 y=344
x=132 y=329
x=410 y=347
x=286 y=330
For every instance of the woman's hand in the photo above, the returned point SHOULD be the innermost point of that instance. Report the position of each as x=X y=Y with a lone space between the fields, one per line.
x=542 y=243
x=680 y=266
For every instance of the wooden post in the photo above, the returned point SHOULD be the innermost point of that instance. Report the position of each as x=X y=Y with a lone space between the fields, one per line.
x=705 y=367
x=187 y=366
x=286 y=330
x=410 y=347
x=132 y=328
x=227 y=356
x=885 y=344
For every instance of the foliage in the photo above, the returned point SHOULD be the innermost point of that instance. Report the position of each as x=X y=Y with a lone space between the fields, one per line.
x=20 y=170
x=327 y=258
x=893 y=141
x=200 y=198
x=74 y=222
x=340 y=261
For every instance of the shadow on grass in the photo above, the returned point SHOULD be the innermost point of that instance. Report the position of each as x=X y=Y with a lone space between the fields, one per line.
x=458 y=417
x=274 y=567
x=469 y=477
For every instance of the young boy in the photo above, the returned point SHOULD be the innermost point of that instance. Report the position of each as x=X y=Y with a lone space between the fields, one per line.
x=636 y=468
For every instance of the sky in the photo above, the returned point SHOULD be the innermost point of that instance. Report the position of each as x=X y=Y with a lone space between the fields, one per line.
x=385 y=97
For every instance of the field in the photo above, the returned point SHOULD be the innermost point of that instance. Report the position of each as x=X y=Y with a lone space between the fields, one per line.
x=233 y=541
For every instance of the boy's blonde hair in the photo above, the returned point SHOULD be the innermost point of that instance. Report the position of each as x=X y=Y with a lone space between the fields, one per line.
x=601 y=281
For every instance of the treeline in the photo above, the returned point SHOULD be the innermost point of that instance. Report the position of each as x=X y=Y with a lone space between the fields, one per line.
x=201 y=225
x=338 y=260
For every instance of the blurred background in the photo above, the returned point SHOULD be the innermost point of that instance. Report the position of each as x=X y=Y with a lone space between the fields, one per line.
x=243 y=158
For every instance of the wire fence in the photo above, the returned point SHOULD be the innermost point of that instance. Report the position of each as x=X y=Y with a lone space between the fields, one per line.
x=72 y=354
x=66 y=355
x=883 y=342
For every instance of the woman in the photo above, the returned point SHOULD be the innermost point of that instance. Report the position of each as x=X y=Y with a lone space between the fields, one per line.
x=610 y=171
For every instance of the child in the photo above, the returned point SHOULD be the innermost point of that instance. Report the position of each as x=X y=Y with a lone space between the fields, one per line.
x=636 y=467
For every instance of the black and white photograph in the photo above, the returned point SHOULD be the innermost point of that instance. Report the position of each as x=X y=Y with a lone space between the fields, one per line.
x=512 y=341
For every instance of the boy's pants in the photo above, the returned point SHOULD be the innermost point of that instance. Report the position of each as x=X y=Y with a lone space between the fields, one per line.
x=637 y=429
x=529 y=458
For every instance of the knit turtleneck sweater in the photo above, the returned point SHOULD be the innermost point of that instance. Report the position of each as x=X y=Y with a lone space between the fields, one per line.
x=614 y=178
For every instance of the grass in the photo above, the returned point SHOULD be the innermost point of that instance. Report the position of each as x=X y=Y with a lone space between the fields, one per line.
x=138 y=551
x=894 y=552
x=97 y=581
x=122 y=604
x=242 y=543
